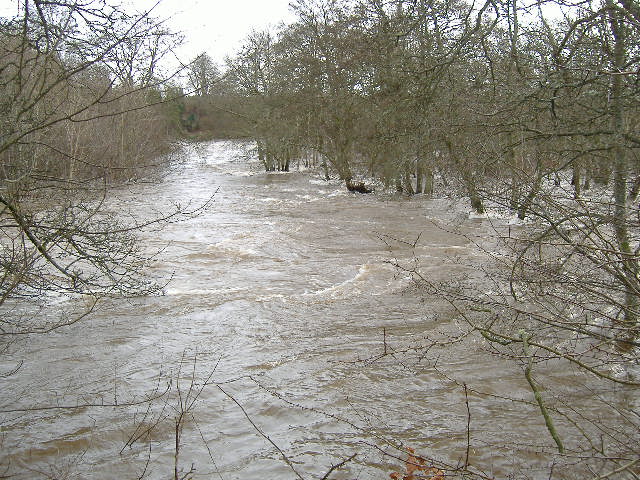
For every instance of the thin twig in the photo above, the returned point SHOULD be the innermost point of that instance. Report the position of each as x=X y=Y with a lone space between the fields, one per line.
x=88 y=405
x=264 y=435
x=384 y=339
x=206 y=444
x=538 y=396
x=466 y=400
x=146 y=465
x=618 y=470
x=337 y=465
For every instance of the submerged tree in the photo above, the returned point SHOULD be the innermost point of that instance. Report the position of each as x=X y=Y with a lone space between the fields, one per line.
x=516 y=111
x=560 y=297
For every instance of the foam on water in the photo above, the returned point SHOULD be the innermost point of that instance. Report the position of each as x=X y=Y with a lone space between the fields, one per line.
x=282 y=280
x=362 y=283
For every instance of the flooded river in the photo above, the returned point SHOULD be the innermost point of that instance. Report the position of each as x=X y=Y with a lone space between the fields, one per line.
x=282 y=294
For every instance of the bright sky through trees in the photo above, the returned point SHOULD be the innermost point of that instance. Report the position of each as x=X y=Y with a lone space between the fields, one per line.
x=218 y=26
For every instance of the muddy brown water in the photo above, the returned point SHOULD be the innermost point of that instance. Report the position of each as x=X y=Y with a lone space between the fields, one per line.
x=282 y=290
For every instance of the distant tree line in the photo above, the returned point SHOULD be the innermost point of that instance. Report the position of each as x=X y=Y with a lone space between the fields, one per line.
x=493 y=97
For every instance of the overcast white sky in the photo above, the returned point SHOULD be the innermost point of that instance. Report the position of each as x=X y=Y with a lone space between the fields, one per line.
x=213 y=26
x=218 y=26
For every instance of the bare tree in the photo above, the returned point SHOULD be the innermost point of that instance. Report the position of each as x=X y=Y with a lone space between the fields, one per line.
x=509 y=106
x=202 y=75
x=71 y=122
x=560 y=296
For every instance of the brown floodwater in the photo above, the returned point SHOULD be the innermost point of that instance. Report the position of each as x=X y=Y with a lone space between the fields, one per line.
x=283 y=295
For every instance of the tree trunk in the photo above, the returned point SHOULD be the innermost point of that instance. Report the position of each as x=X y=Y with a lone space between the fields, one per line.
x=629 y=275
x=408 y=185
x=528 y=201
x=576 y=179
x=325 y=168
x=399 y=188
x=468 y=179
x=515 y=193
x=515 y=187
x=419 y=175
x=428 y=182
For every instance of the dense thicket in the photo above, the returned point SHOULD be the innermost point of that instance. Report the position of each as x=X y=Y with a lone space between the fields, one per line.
x=531 y=107
x=484 y=95
x=82 y=107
